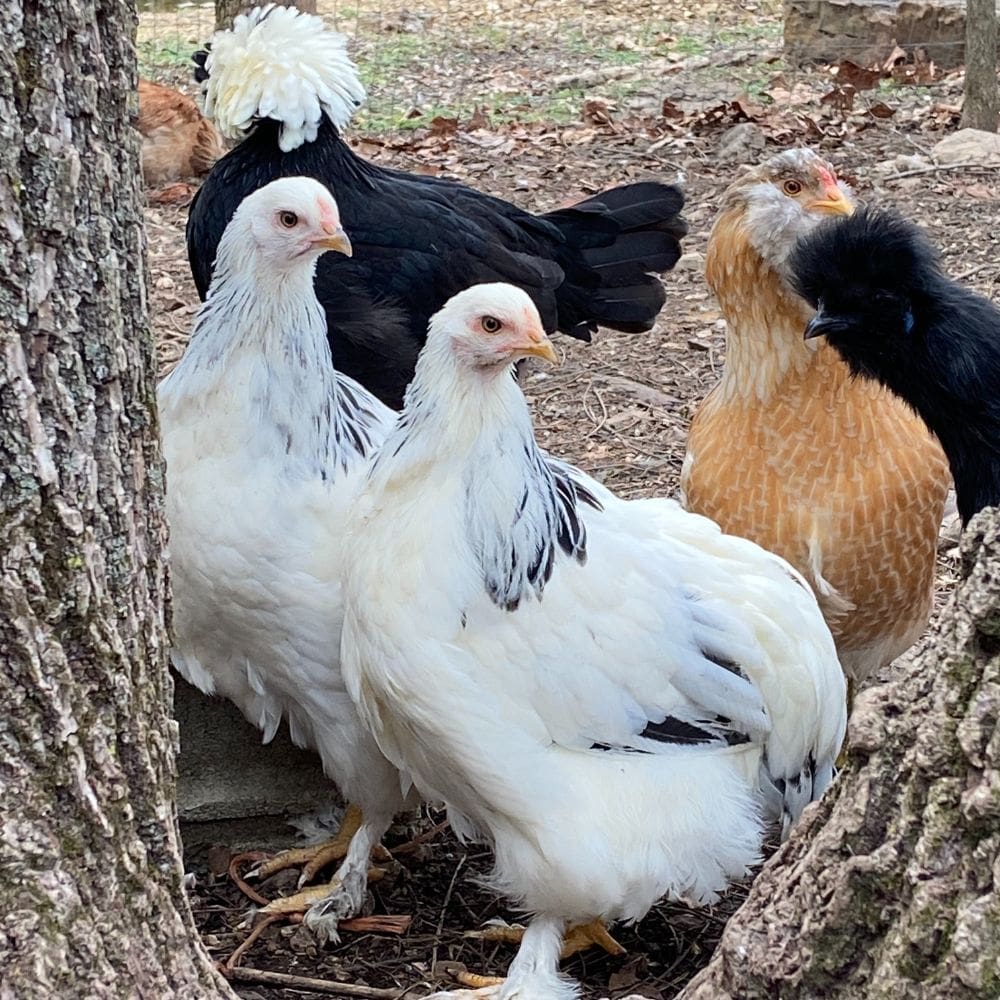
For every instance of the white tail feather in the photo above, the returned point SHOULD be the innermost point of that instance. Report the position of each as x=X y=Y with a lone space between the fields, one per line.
x=279 y=63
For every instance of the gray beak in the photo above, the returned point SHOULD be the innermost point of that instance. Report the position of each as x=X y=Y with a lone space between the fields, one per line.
x=822 y=325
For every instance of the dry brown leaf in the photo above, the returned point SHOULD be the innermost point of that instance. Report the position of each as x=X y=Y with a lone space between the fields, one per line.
x=897 y=56
x=881 y=110
x=670 y=110
x=812 y=127
x=443 y=126
x=980 y=192
x=841 y=97
x=857 y=76
x=597 y=111
x=478 y=119
x=426 y=169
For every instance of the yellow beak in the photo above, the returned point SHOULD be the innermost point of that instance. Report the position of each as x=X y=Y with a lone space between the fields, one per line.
x=336 y=240
x=539 y=346
x=835 y=203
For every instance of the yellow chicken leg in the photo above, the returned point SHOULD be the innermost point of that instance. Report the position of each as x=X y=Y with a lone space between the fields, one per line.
x=304 y=898
x=577 y=939
x=474 y=981
x=583 y=936
x=314 y=858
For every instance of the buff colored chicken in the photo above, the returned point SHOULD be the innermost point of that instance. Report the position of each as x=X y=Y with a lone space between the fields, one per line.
x=833 y=473
x=178 y=141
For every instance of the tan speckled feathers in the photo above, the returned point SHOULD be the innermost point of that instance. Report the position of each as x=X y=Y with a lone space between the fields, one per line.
x=833 y=473
x=177 y=140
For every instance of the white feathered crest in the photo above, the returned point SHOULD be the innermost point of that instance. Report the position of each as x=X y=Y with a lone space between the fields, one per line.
x=279 y=63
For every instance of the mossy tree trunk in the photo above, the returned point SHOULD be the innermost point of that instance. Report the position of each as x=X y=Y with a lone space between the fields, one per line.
x=226 y=10
x=981 y=103
x=91 y=903
x=889 y=889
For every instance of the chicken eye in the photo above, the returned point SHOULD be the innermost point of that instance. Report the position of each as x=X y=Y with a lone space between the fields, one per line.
x=288 y=219
x=791 y=187
x=490 y=324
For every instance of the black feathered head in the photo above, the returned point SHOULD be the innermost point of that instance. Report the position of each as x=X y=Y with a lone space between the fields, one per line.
x=868 y=277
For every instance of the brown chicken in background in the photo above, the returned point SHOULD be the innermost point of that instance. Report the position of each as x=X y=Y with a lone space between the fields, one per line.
x=178 y=141
x=835 y=474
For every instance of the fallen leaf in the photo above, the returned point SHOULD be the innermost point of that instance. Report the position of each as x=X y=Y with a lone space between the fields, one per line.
x=443 y=126
x=857 y=76
x=881 y=110
x=597 y=111
x=980 y=192
x=841 y=97
x=897 y=55
x=670 y=110
x=478 y=119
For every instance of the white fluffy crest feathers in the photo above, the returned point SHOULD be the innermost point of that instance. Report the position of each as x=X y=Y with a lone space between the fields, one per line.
x=279 y=63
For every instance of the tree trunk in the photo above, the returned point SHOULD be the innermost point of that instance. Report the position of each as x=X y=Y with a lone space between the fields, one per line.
x=981 y=105
x=888 y=891
x=91 y=904
x=226 y=10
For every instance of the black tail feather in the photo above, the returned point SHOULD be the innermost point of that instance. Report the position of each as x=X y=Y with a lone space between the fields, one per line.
x=199 y=59
x=645 y=205
x=624 y=238
x=649 y=252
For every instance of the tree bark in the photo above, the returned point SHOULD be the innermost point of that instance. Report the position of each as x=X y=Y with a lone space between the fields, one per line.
x=981 y=104
x=227 y=10
x=889 y=888
x=91 y=903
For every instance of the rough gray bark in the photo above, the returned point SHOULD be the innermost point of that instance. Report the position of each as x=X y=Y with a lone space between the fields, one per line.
x=981 y=104
x=226 y=10
x=889 y=889
x=91 y=904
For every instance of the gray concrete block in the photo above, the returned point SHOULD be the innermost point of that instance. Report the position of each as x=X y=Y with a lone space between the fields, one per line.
x=232 y=789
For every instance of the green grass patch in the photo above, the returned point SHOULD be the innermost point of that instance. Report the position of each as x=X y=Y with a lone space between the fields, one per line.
x=169 y=51
x=561 y=107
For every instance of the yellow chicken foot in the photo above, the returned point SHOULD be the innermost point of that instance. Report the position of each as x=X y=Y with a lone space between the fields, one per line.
x=316 y=857
x=577 y=939
x=584 y=936
x=477 y=982
x=304 y=898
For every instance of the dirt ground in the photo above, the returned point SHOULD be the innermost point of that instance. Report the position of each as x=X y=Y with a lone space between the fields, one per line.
x=619 y=407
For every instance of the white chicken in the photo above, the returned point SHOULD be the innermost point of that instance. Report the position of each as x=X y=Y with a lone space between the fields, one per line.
x=262 y=439
x=614 y=693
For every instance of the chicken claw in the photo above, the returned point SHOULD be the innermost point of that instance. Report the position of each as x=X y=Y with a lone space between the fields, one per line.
x=577 y=939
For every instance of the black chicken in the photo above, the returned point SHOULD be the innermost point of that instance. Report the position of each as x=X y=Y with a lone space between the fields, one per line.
x=884 y=303
x=417 y=240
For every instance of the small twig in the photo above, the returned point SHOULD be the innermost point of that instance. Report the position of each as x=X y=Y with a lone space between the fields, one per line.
x=237 y=956
x=247 y=890
x=283 y=980
x=938 y=167
x=444 y=908
x=410 y=847
x=973 y=270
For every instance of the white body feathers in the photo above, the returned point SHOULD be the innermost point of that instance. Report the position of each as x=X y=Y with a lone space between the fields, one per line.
x=265 y=447
x=529 y=722
x=279 y=63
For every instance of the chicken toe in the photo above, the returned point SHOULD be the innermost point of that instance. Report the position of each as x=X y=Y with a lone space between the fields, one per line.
x=578 y=938
x=315 y=857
